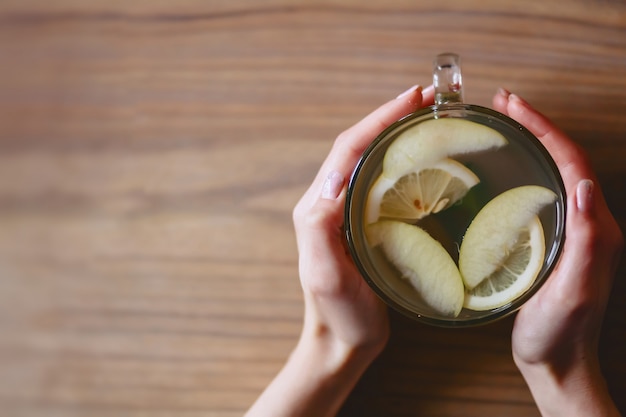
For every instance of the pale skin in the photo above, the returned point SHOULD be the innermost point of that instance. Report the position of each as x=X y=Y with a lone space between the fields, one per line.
x=555 y=335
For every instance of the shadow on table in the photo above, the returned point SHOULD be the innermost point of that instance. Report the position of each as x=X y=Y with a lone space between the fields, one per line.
x=613 y=340
x=435 y=371
x=443 y=372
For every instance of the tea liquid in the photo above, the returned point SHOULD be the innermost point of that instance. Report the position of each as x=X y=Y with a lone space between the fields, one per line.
x=523 y=161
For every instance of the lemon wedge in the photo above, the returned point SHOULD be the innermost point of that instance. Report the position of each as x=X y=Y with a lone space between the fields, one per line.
x=515 y=276
x=495 y=243
x=420 y=192
x=423 y=262
x=436 y=139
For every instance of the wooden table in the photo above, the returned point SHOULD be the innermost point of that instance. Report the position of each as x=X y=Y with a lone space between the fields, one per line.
x=151 y=153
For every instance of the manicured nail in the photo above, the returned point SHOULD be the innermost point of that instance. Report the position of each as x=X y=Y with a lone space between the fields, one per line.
x=428 y=90
x=515 y=97
x=504 y=92
x=332 y=185
x=584 y=195
x=409 y=91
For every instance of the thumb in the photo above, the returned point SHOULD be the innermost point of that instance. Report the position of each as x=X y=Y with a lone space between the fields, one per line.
x=324 y=262
x=580 y=254
x=332 y=186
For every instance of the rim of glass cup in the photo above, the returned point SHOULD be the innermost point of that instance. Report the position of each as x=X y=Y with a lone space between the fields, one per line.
x=555 y=249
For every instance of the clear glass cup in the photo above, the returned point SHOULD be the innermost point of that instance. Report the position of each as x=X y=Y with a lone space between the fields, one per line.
x=524 y=161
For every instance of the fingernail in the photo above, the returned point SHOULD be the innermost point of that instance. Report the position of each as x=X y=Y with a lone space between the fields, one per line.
x=504 y=92
x=584 y=195
x=515 y=97
x=332 y=185
x=428 y=90
x=409 y=91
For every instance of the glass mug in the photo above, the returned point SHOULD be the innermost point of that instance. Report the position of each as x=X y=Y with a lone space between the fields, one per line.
x=520 y=162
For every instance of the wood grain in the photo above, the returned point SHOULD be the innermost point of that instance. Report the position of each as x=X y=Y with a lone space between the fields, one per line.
x=150 y=156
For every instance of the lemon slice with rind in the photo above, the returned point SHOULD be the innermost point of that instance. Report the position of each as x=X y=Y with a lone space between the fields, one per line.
x=498 y=229
x=436 y=139
x=423 y=262
x=515 y=276
x=419 y=192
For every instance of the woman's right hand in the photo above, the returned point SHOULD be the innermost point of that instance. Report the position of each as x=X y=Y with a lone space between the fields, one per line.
x=556 y=333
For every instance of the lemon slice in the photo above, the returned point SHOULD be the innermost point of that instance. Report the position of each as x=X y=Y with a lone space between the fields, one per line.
x=420 y=192
x=423 y=262
x=436 y=139
x=496 y=233
x=515 y=276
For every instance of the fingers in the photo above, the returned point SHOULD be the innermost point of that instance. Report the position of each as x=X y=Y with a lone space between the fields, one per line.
x=318 y=216
x=582 y=281
x=428 y=96
x=573 y=165
x=593 y=237
x=500 y=101
x=320 y=239
x=568 y=156
x=581 y=240
x=351 y=144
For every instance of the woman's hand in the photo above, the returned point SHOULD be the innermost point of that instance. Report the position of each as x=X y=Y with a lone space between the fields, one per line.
x=345 y=323
x=339 y=304
x=556 y=333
